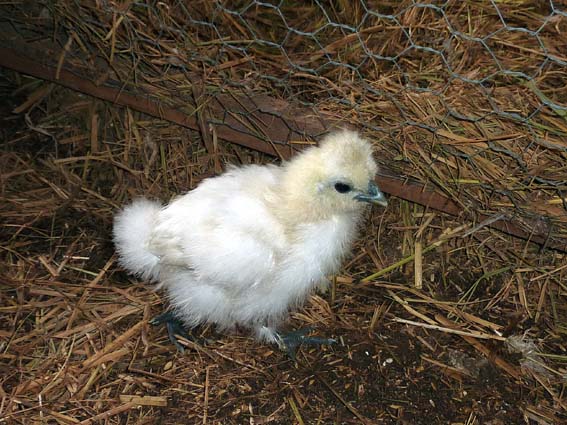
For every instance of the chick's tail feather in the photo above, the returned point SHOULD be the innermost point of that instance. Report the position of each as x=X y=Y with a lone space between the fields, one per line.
x=132 y=229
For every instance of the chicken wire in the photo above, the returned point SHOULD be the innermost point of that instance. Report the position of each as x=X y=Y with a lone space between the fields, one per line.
x=313 y=54
x=466 y=96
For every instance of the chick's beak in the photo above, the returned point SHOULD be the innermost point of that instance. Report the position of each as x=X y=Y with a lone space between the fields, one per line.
x=373 y=195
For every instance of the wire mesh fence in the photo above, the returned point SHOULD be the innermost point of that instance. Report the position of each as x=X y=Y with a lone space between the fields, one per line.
x=468 y=97
x=423 y=47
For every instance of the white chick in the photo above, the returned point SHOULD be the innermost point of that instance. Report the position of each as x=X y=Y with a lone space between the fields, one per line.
x=245 y=247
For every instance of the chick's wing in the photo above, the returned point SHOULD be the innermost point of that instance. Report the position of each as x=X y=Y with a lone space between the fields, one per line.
x=227 y=240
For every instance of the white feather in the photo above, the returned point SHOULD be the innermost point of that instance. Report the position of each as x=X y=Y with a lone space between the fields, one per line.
x=132 y=229
x=245 y=247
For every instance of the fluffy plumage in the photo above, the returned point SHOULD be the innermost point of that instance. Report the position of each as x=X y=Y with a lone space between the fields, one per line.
x=245 y=247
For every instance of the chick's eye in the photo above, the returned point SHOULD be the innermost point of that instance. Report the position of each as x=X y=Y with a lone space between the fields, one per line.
x=342 y=187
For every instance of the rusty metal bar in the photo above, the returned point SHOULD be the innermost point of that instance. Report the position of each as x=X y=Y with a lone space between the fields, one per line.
x=276 y=125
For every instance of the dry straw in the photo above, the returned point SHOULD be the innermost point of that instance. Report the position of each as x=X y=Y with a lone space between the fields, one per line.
x=466 y=104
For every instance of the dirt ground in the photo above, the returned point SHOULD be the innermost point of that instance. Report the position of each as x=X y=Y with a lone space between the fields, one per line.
x=76 y=346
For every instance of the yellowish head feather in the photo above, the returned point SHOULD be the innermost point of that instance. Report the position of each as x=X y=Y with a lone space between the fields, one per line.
x=308 y=191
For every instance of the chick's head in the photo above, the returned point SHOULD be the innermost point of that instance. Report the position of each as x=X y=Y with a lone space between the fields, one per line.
x=335 y=178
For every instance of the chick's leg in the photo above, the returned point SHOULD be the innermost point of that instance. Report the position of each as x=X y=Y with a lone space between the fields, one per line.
x=291 y=341
x=174 y=327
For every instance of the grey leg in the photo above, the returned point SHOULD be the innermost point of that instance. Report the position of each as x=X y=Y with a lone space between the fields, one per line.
x=174 y=327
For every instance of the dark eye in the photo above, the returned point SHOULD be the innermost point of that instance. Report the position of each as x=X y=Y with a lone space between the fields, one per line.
x=342 y=187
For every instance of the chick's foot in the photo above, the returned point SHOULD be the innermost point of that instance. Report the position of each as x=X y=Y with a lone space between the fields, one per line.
x=174 y=327
x=290 y=342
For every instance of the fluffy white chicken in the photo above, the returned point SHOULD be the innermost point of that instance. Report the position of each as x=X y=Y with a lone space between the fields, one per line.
x=245 y=247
